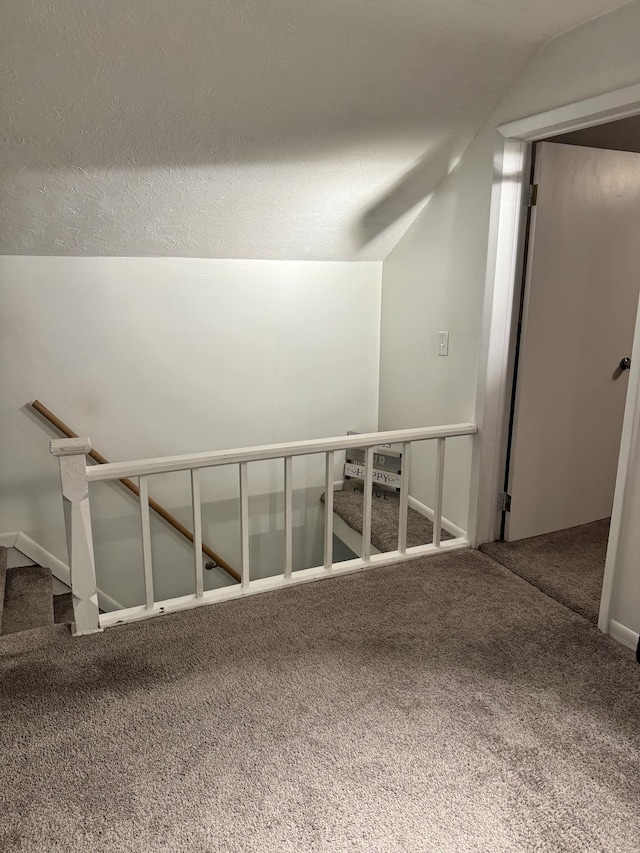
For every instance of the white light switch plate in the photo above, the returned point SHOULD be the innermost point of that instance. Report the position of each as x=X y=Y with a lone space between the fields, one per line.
x=443 y=343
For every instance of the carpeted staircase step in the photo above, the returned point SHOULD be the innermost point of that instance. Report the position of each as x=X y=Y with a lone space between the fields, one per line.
x=63 y=607
x=28 y=599
x=385 y=512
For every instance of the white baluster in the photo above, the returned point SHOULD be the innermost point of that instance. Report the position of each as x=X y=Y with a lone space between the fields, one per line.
x=288 y=516
x=328 y=511
x=403 y=515
x=196 y=505
x=368 y=504
x=145 y=524
x=437 y=505
x=75 y=494
x=244 y=524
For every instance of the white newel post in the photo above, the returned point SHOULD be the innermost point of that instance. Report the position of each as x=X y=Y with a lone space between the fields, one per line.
x=71 y=453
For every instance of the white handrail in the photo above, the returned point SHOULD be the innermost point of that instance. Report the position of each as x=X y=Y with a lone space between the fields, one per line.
x=167 y=464
x=76 y=476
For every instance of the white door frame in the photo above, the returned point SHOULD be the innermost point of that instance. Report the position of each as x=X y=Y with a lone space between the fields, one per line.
x=503 y=282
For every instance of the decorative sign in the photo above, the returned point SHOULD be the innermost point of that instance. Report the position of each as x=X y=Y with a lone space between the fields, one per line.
x=387 y=465
x=383 y=461
x=383 y=478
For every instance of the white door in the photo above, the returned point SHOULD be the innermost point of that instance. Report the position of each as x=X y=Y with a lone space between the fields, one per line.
x=579 y=314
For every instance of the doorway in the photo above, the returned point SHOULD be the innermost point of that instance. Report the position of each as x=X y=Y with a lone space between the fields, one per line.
x=496 y=377
x=579 y=303
x=575 y=332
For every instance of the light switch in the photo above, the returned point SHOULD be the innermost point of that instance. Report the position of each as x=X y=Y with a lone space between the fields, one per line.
x=443 y=343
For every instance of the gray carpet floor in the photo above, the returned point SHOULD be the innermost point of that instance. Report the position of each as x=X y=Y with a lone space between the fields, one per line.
x=441 y=705
x=567 y=565
x=63 y=607
x=349 y=505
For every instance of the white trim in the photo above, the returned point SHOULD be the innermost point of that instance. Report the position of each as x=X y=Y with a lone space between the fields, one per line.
x=8 y=540
x=611 y=106
x=628 y=448
x=59 y=588
x=624 y=635
x=505 y=239
x=167 y=464
x=26 y=545
x=498 y=339
x=214 y=596
x=427 y=512
x=351 y=538
x=17 y=560
x=44 y=558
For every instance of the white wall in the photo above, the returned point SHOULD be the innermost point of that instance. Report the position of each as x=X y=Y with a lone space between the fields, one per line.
x=445 y=251
x=597 y=57
x=426 y=290
x=154 y=356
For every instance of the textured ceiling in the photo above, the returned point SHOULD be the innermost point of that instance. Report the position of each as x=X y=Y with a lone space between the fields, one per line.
x=259 y=129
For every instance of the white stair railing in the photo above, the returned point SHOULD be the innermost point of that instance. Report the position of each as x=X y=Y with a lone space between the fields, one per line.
x=76 y=476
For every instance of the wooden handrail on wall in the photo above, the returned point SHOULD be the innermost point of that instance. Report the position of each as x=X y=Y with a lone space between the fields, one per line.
x=129 y=484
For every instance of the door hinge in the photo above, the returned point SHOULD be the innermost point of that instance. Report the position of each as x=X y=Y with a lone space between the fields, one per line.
x=533 y=195
x=504 y=502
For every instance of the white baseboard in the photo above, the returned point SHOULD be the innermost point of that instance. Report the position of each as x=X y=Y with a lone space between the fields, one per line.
x=427 y=512
x=351 y=538
x=59 y=570
x=17 y=560
x=26 y=545
x=624 y=635
x=59 y=588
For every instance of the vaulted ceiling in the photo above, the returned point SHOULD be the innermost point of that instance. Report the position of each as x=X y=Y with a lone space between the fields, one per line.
x=293 y=129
